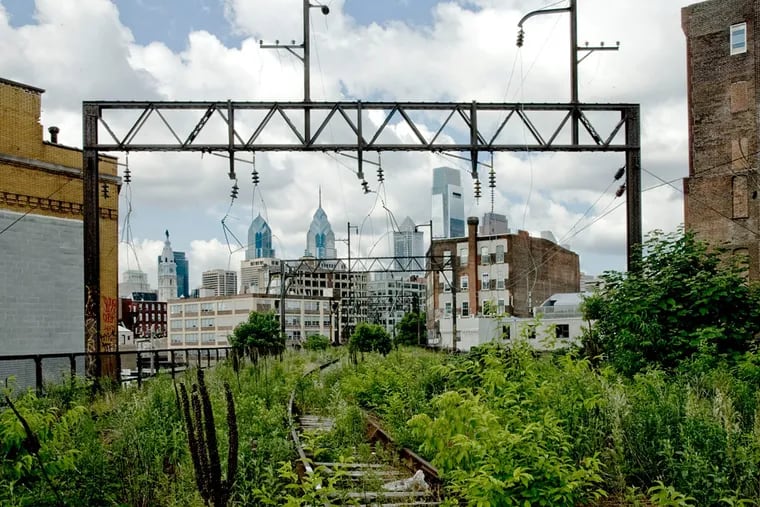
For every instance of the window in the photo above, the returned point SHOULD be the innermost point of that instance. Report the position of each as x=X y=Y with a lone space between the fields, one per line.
x=447 y=310
x=562 y=330
x=500 y=280
x=738 y=38
x=499 y=254
x=207 y=307
x=464 y=282
x=486 y=284
x=208 y=338
x=465 y=309
x=463 y=256
x=485 y=257
x=191 y=323
x=176 y=324
x=191 y=339
x=500 y=306
x=207 y=322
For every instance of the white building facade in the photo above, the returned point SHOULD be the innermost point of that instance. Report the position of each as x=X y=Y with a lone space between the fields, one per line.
x=209 y=322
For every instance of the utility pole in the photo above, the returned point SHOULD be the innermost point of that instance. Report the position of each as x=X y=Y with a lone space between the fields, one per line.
x=350 y=280
x=282 y=297
x=574 y=61
x=305 y=58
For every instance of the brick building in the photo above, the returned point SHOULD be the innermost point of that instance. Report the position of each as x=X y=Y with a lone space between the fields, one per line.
x=494 y=275
x=721 y=192
x=41 y=235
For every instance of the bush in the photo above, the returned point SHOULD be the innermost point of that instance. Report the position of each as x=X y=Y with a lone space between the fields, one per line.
x=316 y=342
x=683 y=300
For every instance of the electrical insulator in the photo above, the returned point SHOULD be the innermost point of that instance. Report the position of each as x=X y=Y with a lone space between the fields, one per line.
x=127 y=175
x=620 y=191
x=255 y=177
x=105 y=191
x=365 y=186
x=234 y=192
x=380 y=176
x=520 y=38
x=492 y=179
x=477 y=189
x=620 y=172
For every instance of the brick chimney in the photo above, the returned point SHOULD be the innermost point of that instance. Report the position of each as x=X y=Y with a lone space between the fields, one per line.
x=472 y=263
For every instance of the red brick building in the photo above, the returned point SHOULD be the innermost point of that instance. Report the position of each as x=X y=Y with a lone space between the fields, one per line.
x=145 y=319
x=721 y=192
x=501 y=274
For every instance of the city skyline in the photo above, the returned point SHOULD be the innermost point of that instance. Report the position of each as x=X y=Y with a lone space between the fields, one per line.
x=422 y=50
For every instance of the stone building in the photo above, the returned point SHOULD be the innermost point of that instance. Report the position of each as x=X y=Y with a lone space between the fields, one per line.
x=494 y=275
x=41 y=266
x=721 y=192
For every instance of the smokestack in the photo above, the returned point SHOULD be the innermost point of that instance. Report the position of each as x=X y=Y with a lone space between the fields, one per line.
x=54 y=134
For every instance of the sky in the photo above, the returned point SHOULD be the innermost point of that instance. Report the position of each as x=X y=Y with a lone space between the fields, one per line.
x=423 y=50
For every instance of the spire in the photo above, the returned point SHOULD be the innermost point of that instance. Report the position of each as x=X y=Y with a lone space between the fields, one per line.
x=167 y=234
x=320 y=196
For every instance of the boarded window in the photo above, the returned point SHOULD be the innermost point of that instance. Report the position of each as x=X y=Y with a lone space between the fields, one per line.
x=740 y=195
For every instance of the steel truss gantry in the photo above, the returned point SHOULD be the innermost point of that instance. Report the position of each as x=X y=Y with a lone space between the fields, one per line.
x=442 y=127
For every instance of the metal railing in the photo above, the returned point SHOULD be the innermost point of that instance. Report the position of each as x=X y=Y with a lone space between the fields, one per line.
x=131 y=366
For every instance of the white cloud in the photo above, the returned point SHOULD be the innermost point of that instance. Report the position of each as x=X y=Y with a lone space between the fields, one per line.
x=82 y=52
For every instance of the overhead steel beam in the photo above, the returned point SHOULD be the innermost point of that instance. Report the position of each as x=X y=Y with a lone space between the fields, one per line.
x=365 y=134
x=365 y=123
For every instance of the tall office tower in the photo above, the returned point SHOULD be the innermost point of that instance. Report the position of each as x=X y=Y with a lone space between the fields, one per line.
x=167 y=273
x=721 y=202
x=494 y=223
x=320 y=240
x=448 y=204
x=133 y=280
x=183 y=275
x=220 y=281
x=407 y=242
x=259 y=240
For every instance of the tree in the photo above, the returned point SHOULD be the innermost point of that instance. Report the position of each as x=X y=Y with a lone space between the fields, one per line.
x=684 y=297
x=409 y=329
x=258 y=336
x=316 y=342
x=369 y=338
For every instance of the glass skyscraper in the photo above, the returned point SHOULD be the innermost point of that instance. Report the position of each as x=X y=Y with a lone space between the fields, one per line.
x=448 y=204
x=259 y=240
x=183 y=275
x=320 y=240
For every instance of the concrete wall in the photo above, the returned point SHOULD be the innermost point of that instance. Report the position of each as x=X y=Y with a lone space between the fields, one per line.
x=41 y=296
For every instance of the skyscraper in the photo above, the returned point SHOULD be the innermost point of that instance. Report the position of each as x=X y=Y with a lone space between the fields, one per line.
x=407 y=242
x=448 y=204
x=221 y=281
x=183 y=275
x=167 y=273
x=259 y=240
x=320 y=240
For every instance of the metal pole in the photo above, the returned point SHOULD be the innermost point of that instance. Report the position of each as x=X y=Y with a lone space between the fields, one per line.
x=306 y=72
x=91 y=247
x=633 y=185
x=453 y=284
x=350 y=285
x=282 y=297
x=574 y=68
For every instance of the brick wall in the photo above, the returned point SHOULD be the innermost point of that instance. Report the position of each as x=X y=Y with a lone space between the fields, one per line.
x=44 y=180
x=721 y=193
x=538 y=269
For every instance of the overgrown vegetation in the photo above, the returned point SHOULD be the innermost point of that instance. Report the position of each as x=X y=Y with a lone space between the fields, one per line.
x=661 y=406
x=685 y=303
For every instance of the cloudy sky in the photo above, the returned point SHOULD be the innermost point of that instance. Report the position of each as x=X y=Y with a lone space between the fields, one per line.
x=456 y=50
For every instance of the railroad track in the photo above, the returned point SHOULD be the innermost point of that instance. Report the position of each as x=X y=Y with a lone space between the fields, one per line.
x=389 y=477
